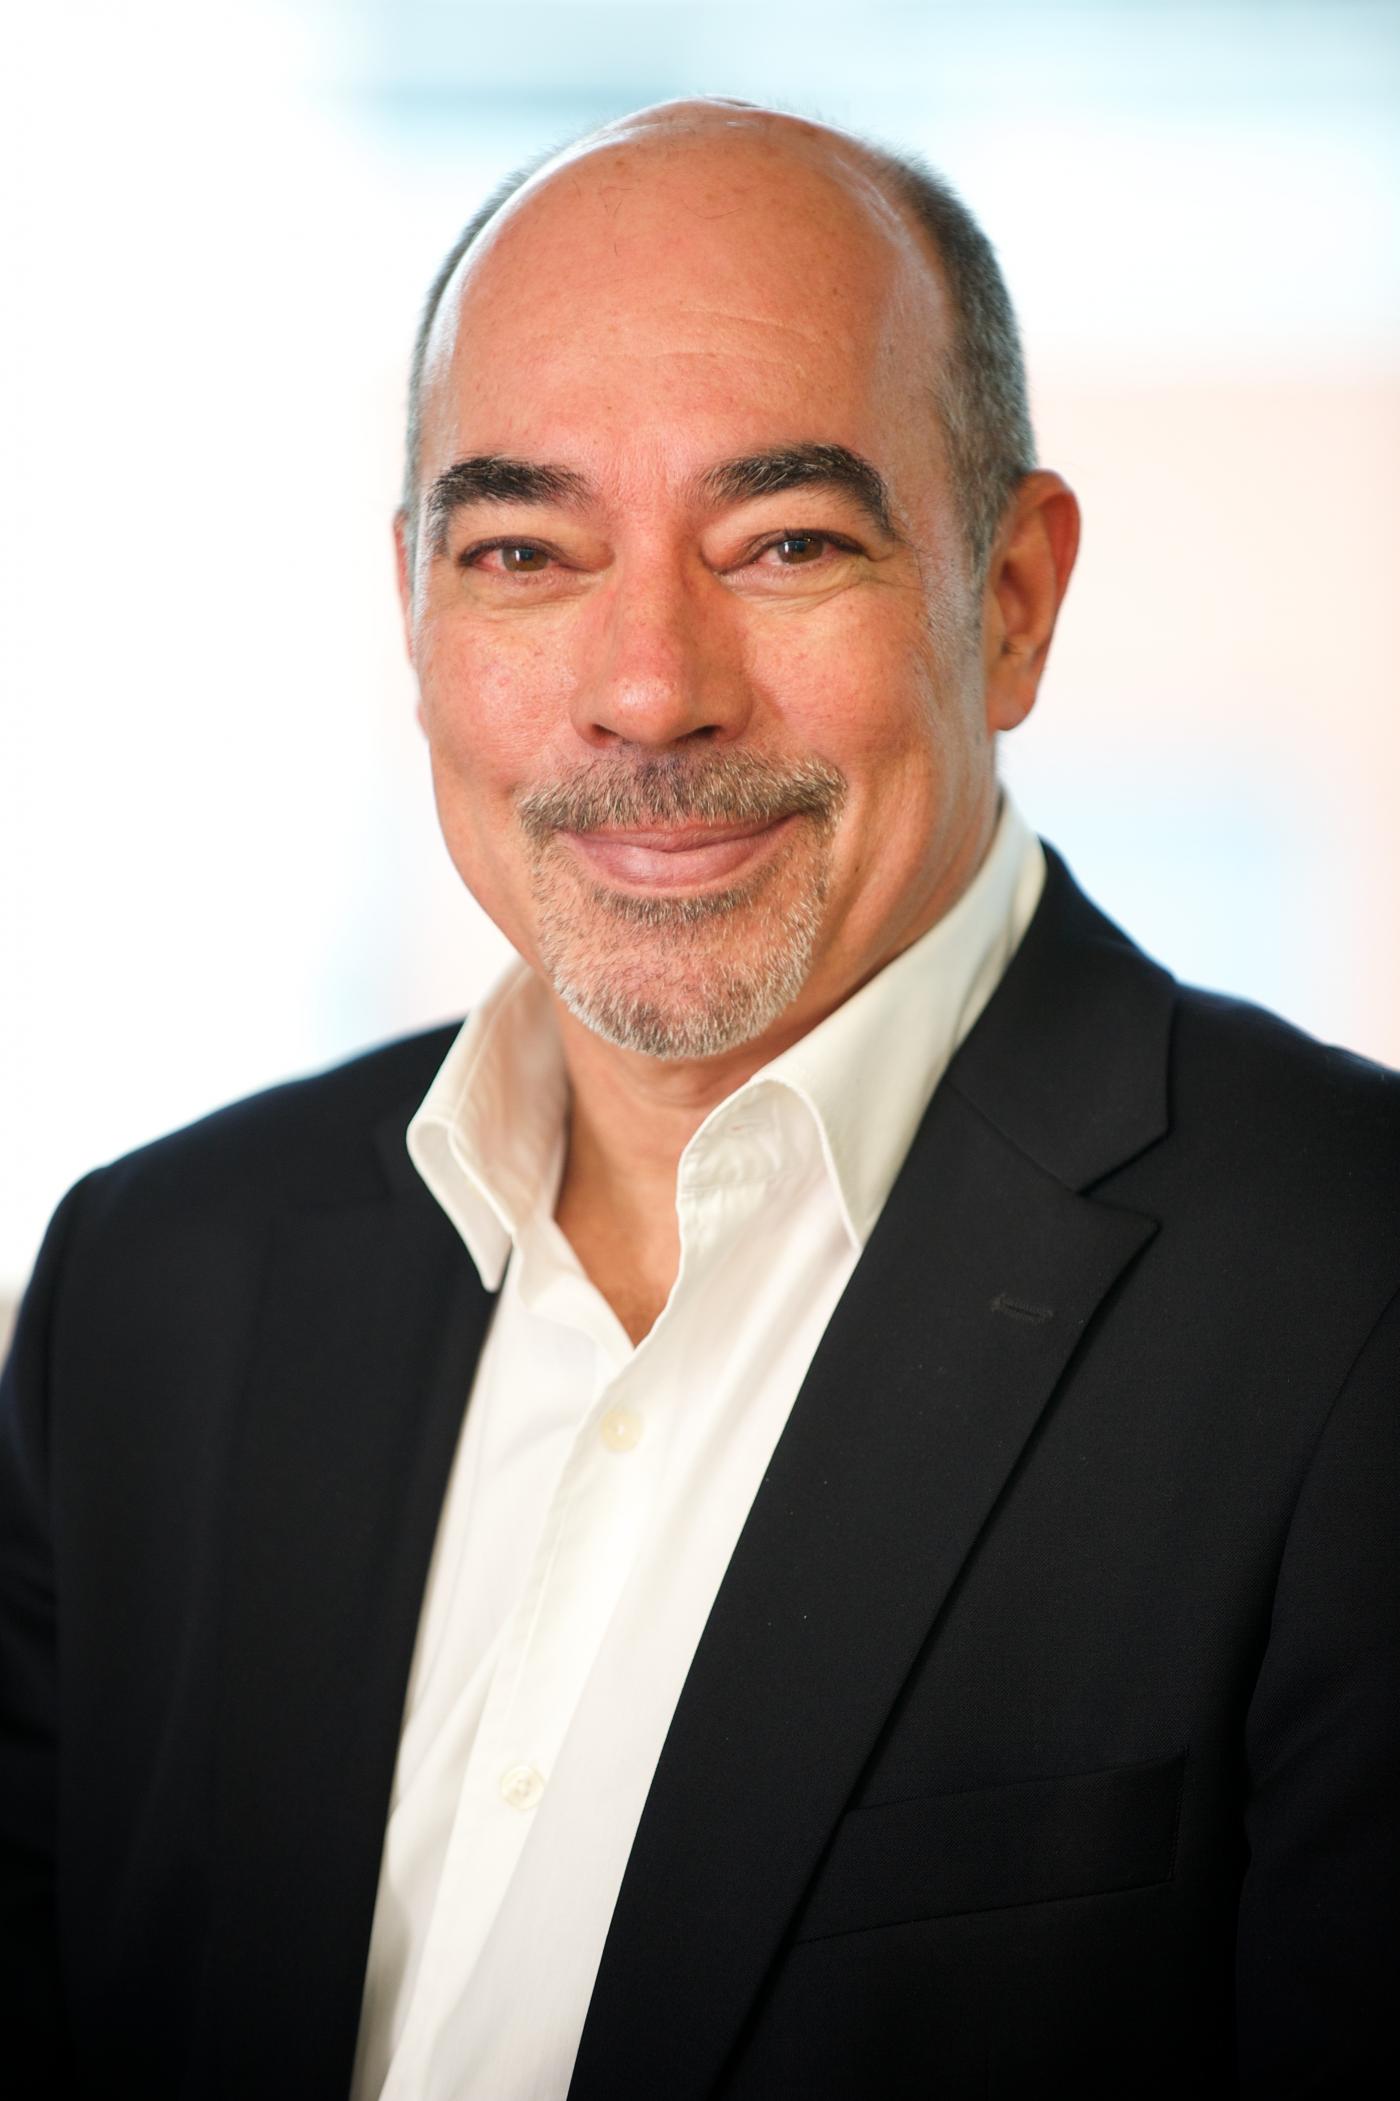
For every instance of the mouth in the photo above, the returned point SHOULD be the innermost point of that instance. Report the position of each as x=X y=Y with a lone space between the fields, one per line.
x=683 y=857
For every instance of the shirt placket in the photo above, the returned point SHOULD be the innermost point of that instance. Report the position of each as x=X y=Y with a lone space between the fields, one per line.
x=596 y=1519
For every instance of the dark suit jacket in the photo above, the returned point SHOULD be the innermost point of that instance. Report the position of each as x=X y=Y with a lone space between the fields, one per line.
x=1043 y=1735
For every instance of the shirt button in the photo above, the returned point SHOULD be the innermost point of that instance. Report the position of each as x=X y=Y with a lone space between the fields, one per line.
x=522 y=1786
x=621 y=1429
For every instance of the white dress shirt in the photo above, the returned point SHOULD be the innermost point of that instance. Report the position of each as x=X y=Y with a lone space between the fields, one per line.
x=599 y=1489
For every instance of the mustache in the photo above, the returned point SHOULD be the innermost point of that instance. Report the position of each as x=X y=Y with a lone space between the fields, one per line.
x=733 y=787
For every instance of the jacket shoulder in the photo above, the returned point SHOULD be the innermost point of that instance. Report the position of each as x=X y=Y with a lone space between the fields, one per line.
x=1118 y=1077
x=1261 y=1084
x=311 y=1140
x=1281 y=1160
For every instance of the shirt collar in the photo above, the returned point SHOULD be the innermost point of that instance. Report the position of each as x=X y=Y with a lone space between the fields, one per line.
x=488 y=1139
x=868 y=1071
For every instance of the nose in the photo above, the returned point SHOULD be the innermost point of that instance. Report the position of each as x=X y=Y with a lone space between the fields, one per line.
x=661 y=662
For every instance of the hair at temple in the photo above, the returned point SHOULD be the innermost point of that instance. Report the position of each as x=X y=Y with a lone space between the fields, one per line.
x=979 y=390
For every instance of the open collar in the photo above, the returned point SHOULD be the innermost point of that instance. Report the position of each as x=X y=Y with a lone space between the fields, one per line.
x=488 y=1137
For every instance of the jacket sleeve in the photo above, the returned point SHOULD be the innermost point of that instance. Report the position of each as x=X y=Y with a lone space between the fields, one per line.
x=1319 y=1950
x=31 y=1995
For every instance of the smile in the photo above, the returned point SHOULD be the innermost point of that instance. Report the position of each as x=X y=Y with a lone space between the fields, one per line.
x=674 y=857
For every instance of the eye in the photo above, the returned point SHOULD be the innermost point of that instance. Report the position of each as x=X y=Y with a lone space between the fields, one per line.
x=506 y=572
x=800 y=549
x=795 y=549
x=515 y=557
x=800 y=562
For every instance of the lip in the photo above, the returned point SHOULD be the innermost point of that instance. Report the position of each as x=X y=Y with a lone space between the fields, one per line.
x=675 y=857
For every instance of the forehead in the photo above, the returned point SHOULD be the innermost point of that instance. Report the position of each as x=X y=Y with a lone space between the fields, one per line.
x=709 y=291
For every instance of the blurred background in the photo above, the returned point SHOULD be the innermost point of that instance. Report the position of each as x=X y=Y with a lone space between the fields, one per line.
x=218 y=858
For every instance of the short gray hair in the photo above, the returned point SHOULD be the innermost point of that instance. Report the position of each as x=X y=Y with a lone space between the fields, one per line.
x=980 y=392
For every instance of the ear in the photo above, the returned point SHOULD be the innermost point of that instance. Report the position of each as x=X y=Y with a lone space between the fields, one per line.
x=1027 y=577
x=405 y=578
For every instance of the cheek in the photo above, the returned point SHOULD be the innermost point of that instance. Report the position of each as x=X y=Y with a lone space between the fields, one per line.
x=490 y=705
x=485 y=711
x=868 y=689
x=859 y=683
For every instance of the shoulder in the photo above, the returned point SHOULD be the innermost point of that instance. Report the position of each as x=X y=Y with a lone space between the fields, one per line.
x=148 y=1258
x=1276 y=1181
x=332 y=1137
x=1239 y=1083
x=1193 y=1106
x=1259 y=1091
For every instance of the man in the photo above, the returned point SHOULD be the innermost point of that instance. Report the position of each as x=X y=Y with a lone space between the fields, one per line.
x=822 y=1526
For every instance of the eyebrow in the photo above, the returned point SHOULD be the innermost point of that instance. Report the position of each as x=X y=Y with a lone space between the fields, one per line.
x=493 y=477
x=786 y=467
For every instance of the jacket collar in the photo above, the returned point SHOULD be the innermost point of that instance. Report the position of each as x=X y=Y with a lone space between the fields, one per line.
x=1069 y=1061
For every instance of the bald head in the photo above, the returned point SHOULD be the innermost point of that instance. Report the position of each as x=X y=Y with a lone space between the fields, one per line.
x=718 y=207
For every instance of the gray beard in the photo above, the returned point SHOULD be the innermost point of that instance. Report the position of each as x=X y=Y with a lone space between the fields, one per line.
x=656 y=974
x=726 y=1001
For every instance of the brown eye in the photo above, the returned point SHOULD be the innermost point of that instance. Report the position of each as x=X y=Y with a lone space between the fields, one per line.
x=795 y=548
x=523 y=560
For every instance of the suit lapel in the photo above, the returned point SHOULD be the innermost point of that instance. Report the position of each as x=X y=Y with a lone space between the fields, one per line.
x=372 y=1323
x=982 y=1275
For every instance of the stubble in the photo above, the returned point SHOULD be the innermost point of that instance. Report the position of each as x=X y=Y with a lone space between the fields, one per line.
x=689 y=976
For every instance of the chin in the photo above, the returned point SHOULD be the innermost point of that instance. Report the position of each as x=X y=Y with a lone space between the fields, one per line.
x=690 y=981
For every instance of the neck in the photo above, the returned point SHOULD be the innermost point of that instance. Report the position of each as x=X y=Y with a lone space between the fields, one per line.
x=631 y=1117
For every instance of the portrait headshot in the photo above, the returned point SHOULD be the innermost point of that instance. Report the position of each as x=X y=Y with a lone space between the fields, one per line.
x=801 y=1501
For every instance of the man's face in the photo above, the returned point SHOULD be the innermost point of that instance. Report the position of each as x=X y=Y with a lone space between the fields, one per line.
x=700 y=665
